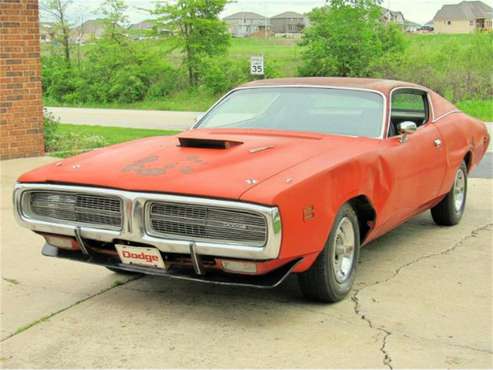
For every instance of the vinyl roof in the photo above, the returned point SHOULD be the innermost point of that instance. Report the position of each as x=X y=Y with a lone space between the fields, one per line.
x=381 y=85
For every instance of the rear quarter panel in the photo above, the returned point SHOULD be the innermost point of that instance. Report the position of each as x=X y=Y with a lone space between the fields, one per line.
x=462 y=136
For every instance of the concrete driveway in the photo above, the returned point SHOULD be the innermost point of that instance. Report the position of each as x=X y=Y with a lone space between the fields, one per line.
x=423 y=298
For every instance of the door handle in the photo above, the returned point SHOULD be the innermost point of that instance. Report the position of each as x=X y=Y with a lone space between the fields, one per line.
x=438 y=143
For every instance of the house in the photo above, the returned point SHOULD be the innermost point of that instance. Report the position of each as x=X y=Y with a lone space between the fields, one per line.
x=288 y=23
x=391 y=16
x=88 y=31
x=144 y=25
x=244 y=24
x=147 y=29
x=411 y=26
x=465 y=17
x=46 y=32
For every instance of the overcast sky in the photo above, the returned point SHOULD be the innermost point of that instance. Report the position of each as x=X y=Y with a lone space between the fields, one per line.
x=420 y=11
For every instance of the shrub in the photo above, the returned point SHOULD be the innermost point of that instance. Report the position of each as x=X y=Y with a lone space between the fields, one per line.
x=50 y=131
x=220 y=74
x=346 y=37
x=64 y=144
x=455 y=67
x=110 y=71
x=58 y=79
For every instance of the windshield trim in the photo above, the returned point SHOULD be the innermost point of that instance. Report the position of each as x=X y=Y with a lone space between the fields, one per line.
x=384 y=97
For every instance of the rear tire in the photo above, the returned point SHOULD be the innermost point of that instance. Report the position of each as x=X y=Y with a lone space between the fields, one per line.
x=331 y=277
x=451 y=209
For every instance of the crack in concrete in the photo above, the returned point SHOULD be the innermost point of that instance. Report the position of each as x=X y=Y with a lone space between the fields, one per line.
x=49 y=316
x=11 y=281
x=387 y=359
x=456 y=245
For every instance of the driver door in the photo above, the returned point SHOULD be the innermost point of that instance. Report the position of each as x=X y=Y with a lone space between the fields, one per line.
x=417 y=160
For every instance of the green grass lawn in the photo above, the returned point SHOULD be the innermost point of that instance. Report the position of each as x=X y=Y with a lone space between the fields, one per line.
x=70 y=139
x=113 y=135
x=283 y=54
x=482 y=109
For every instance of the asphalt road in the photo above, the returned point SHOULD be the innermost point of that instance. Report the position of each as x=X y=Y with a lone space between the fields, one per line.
x=485 y=168
x=423 y=298
x=152 y=119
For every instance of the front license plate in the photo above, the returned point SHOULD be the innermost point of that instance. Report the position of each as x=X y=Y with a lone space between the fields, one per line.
x=142 y=256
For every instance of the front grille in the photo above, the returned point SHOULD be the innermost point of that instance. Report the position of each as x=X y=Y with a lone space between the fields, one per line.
x=209 y=223
x=76 y=208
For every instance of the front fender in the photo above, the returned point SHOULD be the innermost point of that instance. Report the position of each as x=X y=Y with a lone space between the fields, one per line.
x=310 y=195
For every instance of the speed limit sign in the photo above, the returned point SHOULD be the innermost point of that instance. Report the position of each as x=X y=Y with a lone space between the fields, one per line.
x=257 y=65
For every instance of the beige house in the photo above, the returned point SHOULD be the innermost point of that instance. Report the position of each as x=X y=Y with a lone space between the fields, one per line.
x=396 y=17
x=244 y=24
x=288 y=23
x=88 y=31
x=465 y=17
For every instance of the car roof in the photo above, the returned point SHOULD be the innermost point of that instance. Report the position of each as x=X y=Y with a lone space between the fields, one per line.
x=384 y=86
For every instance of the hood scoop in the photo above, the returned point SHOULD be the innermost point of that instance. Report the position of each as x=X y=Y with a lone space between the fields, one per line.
x=187 y=142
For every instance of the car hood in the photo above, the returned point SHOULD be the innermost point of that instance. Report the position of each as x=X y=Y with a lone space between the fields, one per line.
x=214 y=163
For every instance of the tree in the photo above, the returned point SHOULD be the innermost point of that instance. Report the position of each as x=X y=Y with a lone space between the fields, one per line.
x=197 y=29
x=116 y=21
x=346 y=37
x=58 y=9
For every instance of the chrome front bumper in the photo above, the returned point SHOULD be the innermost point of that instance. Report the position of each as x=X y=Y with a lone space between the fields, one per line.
x=134 y=229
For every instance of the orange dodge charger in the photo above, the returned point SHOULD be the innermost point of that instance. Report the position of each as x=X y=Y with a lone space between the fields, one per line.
x=278 y=177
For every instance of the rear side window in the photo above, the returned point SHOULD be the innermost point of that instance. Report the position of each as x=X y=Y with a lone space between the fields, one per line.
x=410 y=105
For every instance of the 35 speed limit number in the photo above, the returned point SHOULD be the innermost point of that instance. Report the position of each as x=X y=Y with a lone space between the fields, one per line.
x=257 y=65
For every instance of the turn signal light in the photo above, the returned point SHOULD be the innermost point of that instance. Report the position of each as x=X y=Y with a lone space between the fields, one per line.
x=63 y=242
x=242 y=267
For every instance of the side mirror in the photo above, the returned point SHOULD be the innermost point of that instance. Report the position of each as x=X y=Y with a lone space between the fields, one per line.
x=407 y=128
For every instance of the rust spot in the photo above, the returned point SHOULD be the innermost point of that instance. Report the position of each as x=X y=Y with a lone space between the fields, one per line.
x=186 y=170
x=140 y=168
x=195 y=159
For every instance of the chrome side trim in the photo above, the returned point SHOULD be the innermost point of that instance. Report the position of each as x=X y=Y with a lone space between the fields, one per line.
x=134 y=223
x=385 y=102
x=446 y=114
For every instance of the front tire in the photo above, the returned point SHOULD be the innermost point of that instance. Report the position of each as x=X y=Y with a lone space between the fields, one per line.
x=451 y=209
x=331 y=277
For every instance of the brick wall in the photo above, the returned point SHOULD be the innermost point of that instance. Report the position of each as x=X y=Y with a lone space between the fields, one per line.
x=21 y=106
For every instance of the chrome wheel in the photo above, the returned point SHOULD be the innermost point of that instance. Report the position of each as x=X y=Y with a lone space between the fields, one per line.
x=343 y=256
x=459 y=190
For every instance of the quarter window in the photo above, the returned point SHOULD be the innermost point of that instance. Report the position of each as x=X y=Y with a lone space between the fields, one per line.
x=408 y=105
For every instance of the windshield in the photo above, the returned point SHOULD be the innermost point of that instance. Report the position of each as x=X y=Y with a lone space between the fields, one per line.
x=323 y=110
